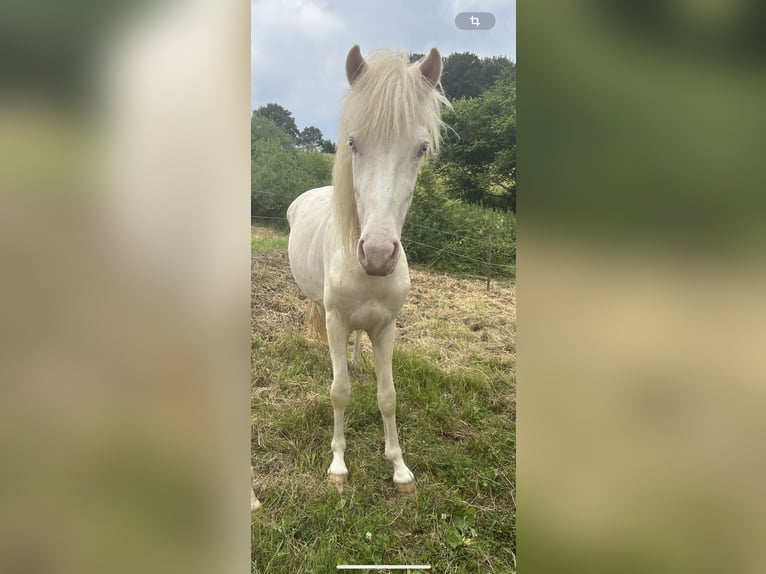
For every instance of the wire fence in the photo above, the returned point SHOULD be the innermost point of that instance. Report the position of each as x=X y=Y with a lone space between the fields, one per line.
x=457 y=235
x=493 y=252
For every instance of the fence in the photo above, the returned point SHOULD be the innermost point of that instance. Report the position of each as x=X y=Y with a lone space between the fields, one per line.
x=490 y=264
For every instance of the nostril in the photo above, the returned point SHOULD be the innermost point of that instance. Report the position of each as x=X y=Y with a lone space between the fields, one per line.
x=360 y=251
x=396 y=250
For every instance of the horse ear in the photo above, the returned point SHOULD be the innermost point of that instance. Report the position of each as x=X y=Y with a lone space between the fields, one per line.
x=354 y=64
x=431 y=68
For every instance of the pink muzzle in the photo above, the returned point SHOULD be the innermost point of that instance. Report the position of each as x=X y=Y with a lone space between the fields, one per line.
x=377 y=255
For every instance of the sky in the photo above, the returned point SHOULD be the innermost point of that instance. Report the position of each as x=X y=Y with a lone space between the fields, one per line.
x=298 y=47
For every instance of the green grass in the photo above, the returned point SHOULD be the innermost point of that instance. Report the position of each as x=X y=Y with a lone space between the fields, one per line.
x=268 y=244
x=458 y=435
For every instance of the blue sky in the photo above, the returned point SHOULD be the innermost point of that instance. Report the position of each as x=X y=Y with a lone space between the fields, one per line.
x=298 y=47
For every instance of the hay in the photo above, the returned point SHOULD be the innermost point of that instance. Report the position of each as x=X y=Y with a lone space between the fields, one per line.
x=457 y=322
x=452 y=320
x=276 y=303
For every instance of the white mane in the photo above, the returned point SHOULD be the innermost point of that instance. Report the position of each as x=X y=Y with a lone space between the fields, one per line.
x=386 y=102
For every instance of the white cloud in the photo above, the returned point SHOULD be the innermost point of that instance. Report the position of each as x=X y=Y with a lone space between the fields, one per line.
x=310 y=19
x=285 y=33
x=298 y=47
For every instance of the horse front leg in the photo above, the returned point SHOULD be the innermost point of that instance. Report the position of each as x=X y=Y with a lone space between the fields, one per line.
x=383 y=352
x=340 y=391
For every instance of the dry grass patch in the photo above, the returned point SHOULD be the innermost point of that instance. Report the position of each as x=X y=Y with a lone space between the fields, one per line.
x=276 y=303
x=457 y=322
x=452 y=320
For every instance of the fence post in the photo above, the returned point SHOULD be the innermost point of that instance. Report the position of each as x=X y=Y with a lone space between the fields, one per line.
x=489 y=258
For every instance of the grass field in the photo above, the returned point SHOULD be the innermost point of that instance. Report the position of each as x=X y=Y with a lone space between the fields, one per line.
x=455 y=381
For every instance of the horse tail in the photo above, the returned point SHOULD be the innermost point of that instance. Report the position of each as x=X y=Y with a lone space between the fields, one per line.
x=315 y=321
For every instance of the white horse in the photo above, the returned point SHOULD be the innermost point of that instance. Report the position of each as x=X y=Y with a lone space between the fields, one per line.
x=344 y=246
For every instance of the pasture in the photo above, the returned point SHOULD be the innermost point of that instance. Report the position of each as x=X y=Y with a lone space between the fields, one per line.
x=455 y=380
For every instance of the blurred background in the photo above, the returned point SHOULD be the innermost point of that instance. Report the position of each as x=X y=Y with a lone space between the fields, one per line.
x=124 y=406
x=642 y=301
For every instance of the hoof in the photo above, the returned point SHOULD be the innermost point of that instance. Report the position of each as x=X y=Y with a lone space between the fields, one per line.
x=406 y=488
x=338 y=480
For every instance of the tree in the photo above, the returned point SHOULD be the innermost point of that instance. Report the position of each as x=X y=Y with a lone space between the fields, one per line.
x=479 y=161
x=310 y=138
x=328 y=147
x=262 y=128
x=280 y=116
x=461 y=75
x=465 y=75
x=279 y=170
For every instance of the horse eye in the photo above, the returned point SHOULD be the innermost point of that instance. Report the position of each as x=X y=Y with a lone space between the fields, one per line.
x=351 y=144
x=423 y=150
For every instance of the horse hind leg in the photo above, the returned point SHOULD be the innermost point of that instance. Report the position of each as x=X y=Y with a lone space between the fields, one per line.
x=355 y=356
x=383 y=350
x=340 y=391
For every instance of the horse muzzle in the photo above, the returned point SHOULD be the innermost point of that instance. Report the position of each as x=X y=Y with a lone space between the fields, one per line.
x=378 y=255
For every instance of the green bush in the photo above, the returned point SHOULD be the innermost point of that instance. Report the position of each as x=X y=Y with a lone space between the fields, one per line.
x=450 y=235
x=280 y=173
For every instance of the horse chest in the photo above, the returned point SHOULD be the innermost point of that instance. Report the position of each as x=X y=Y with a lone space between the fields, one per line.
x=367 y=302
